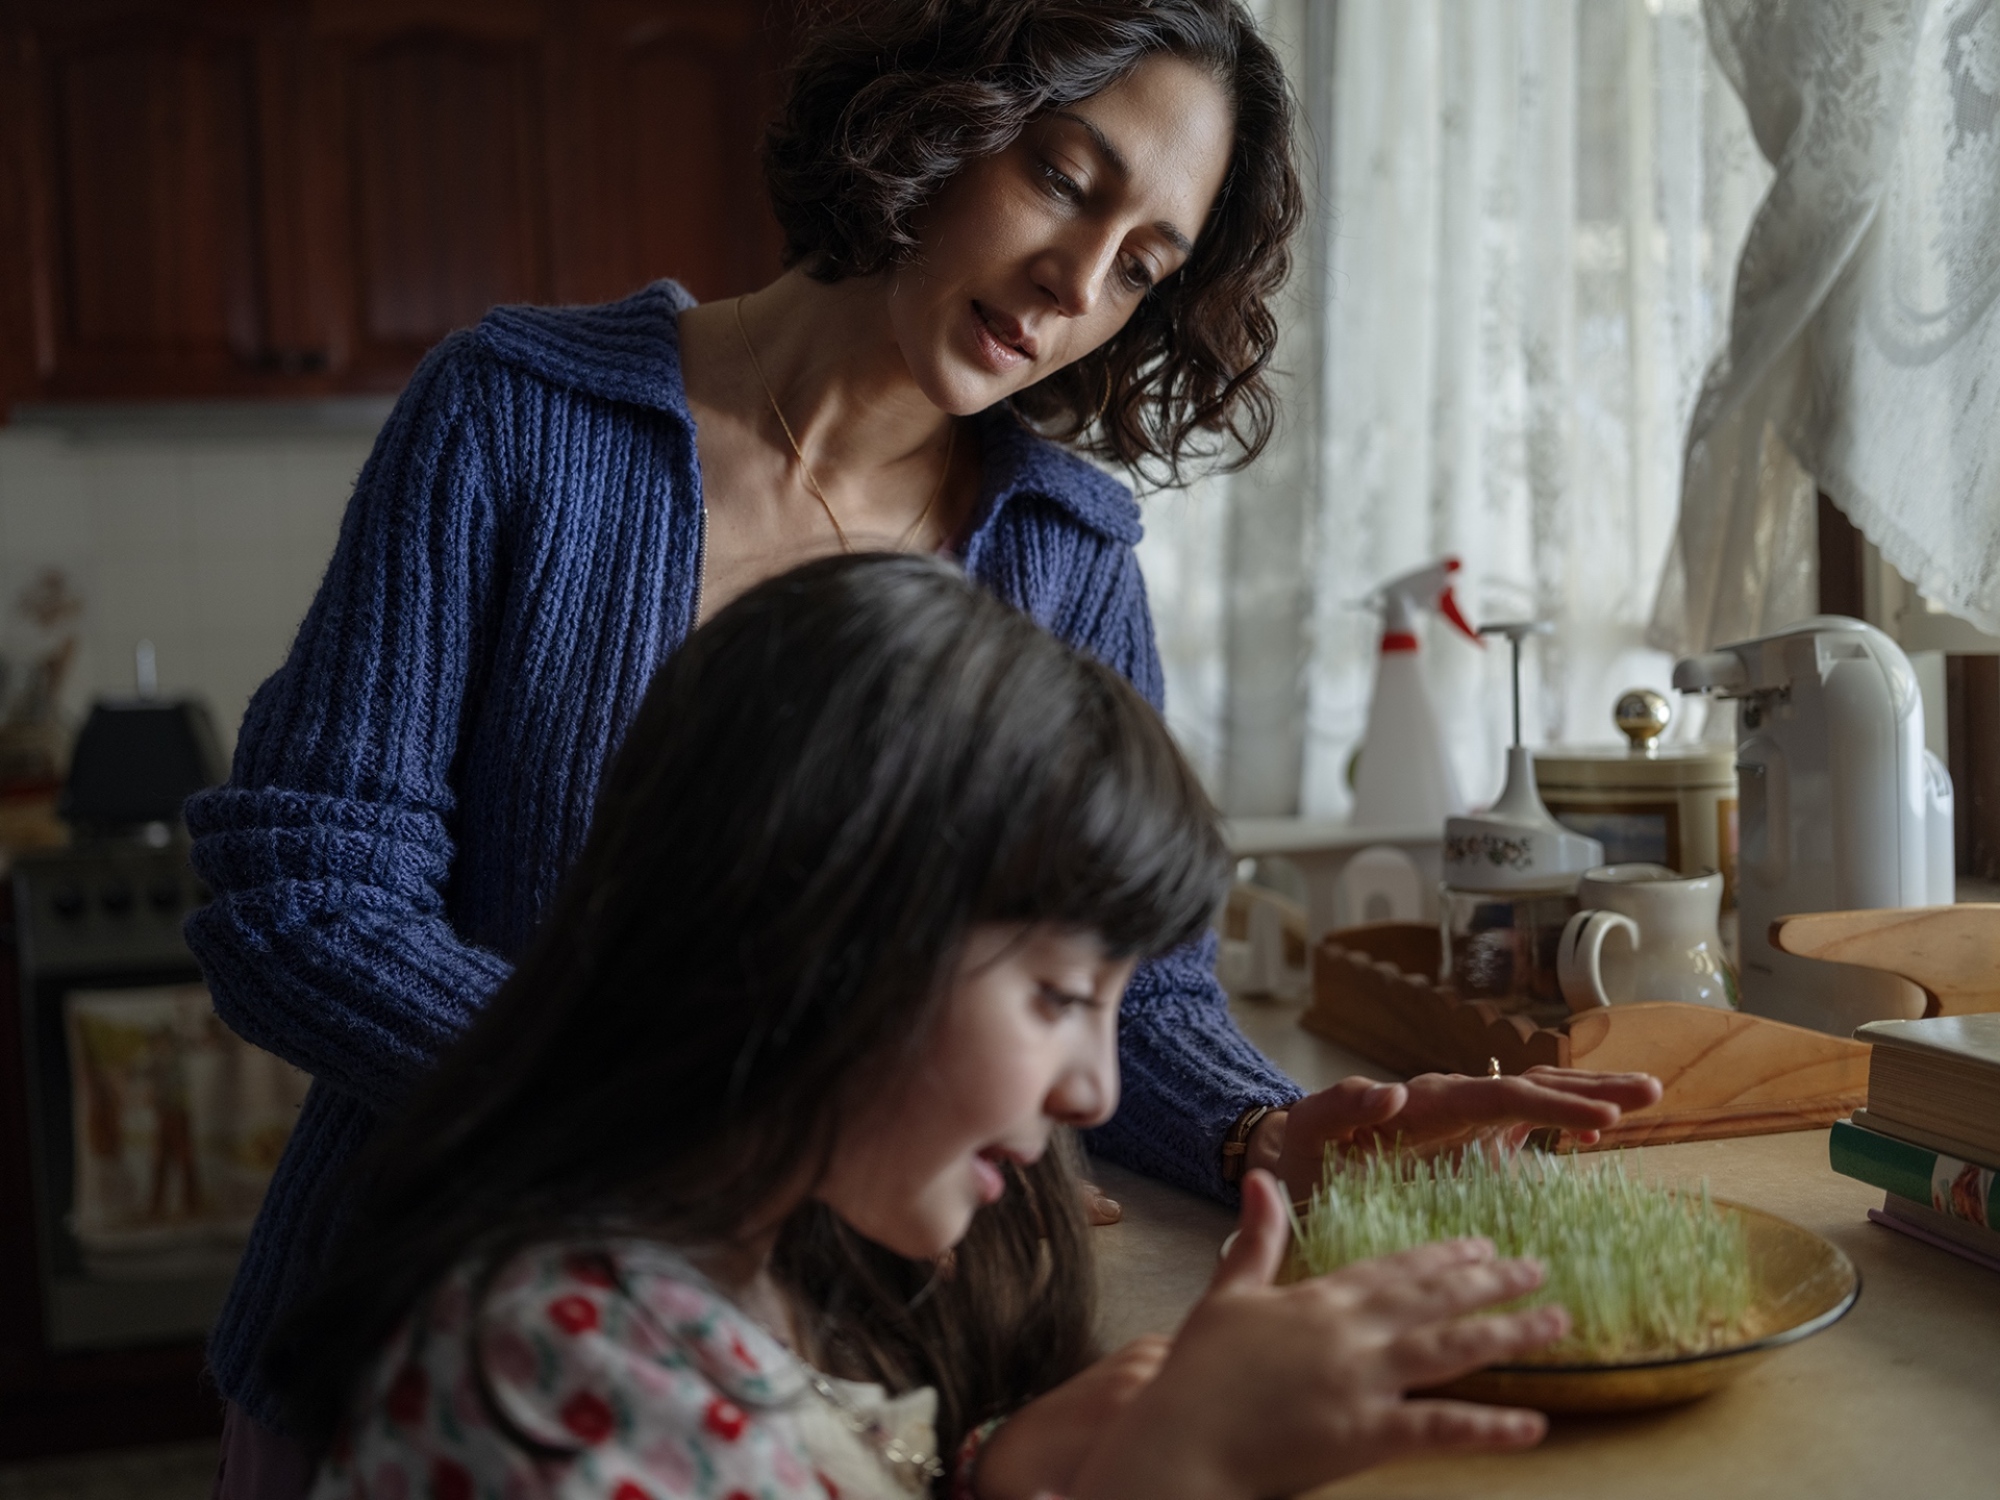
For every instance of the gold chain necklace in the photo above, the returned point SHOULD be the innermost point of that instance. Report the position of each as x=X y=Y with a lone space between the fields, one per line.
x=805 y=469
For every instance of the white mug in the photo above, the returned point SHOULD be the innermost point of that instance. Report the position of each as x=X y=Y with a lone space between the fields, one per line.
x=1645 y=933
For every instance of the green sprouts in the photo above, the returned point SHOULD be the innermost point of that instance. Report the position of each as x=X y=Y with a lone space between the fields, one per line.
x=1646 y=1272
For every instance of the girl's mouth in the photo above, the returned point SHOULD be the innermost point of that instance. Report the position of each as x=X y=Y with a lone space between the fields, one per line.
x=987 y=1170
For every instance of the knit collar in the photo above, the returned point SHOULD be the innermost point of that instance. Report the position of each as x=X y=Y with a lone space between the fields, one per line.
x=630 y=351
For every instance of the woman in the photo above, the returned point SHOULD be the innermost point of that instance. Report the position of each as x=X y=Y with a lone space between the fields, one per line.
x=1009 y=221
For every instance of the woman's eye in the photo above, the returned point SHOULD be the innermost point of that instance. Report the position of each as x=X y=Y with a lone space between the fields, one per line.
x=1061 y=183
x=1137 y=275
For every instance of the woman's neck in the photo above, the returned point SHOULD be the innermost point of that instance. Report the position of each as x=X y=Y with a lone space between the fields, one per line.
x=837 y=374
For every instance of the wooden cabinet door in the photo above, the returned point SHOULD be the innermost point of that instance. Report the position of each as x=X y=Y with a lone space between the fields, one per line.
x=299 y=197
x=145 y=139
x=427 y=182
x=654 y=158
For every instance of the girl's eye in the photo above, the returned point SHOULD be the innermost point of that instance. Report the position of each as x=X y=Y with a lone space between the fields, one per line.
x=1063 y=1001
x=1136 y=275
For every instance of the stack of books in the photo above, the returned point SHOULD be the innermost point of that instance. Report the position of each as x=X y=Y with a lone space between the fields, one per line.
x=1930 y=1135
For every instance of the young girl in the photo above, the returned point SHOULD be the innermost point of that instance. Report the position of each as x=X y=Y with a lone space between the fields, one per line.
x=753 y=1179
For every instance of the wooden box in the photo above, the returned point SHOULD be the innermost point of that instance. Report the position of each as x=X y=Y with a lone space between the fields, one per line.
x=1725 y=1073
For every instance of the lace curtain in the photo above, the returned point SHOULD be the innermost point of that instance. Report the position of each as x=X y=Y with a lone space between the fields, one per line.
x=1865 y=343
x=1527 y=219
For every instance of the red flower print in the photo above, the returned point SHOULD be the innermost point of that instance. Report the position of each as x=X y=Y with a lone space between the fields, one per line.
x=590 y=1268
x=408 y=1394
x=589 y=1416
x=743 y=1356
x=739 y=1495
x=725 y=1419
x=832 y=1489
x=450 y=1481
x=627 y=1490
x=573 y=1314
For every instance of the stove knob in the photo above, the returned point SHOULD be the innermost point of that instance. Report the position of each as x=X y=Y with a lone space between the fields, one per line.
x=116 y=898
x=164 y=895
x=67 y=901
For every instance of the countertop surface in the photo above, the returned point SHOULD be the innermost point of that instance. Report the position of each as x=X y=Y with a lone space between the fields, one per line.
x=1902 y=1397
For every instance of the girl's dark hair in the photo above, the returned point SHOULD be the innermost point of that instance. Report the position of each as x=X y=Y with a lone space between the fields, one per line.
x=891 y=98
x=827 y=787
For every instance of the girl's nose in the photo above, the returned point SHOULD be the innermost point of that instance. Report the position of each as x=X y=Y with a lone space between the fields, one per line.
x=1087 y=1093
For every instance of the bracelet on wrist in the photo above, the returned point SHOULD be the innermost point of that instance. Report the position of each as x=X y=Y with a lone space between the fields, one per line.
x=1236 y=1142
x=965 y=1467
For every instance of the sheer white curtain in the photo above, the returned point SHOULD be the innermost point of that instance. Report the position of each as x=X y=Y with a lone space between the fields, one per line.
x=1527 y=221
x=1865 y=347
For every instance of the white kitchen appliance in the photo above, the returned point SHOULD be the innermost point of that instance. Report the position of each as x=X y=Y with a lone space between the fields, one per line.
x=1841 y=806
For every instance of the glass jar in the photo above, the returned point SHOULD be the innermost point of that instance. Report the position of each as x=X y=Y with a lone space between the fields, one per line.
x=1500 y=946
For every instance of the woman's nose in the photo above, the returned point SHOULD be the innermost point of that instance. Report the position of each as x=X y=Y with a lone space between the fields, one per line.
x=1074 y=273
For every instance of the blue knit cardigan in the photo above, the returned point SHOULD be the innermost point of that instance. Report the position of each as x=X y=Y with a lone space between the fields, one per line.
x=522 y=551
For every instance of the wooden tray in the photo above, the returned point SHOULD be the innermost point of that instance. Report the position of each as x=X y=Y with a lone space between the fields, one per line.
x=1725 y=1073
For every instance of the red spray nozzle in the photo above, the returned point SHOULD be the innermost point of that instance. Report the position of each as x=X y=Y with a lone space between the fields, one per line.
x=1448 y=607
x=1428 y=587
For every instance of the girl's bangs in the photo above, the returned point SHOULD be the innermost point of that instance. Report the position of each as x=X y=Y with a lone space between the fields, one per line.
x=1114 y=835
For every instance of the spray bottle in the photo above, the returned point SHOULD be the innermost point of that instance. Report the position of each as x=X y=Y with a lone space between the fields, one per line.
x=1402 y=774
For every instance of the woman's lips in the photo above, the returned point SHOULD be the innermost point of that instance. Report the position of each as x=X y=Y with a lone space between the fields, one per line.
x=995 y=351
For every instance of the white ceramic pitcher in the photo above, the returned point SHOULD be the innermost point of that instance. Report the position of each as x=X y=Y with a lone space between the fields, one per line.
x=1645 y=933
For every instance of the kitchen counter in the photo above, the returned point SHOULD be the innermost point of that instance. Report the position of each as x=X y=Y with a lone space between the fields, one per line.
x=1902 y=1397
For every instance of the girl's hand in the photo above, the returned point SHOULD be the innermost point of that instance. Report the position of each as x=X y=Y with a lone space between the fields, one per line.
x=1438 y=1112
x=1271 y=1390
x=1041 y=1446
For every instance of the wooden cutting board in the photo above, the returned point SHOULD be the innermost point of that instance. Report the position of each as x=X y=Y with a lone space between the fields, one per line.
x=1951 y=953
x=1725 y=1073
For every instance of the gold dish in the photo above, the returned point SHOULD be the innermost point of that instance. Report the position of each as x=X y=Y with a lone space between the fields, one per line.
x=1803 y=1284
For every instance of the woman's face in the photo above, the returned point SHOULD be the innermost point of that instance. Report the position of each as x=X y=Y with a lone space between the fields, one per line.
x=1031 y=258
x=1025 y=1041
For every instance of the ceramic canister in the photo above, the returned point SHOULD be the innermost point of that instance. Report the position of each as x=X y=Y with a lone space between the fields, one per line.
x=1673 y=806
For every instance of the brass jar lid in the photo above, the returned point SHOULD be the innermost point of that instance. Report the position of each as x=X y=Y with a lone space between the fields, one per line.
x=1670 y=768
x=1644 y=763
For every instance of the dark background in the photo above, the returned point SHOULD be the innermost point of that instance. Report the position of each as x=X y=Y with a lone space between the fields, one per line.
x=295 y=199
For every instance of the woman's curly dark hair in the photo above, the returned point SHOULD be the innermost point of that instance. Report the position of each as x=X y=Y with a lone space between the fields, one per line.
x=890 y=98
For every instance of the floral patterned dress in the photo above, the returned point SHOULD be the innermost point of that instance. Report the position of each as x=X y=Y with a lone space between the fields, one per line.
x=614 y=1371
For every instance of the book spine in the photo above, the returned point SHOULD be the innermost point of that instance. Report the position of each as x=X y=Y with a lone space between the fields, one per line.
x=1929 y=1237
x=1948 y=1185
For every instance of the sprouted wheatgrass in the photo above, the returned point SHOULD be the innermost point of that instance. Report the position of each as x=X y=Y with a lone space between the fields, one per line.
x=1646 y=1271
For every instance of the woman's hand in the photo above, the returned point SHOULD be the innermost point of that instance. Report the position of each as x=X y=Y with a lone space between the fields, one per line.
x=1041 y=1446
x=1438 y=1112
x=1271 y=1390
x=1099 y=1207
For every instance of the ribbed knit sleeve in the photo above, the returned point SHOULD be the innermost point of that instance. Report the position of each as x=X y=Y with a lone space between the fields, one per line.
x=1188 y=1071
x=329 y=853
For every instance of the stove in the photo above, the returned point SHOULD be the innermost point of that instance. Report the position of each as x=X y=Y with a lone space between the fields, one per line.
x=135 y=1244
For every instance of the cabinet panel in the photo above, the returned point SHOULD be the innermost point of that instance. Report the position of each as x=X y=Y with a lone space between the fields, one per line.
x=157 y=205
x=659 y=155
x=141 y=143
x=445 y=193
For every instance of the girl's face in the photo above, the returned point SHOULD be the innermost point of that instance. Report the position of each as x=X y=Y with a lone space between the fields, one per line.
x=1026 y=1040
x=1031 y=258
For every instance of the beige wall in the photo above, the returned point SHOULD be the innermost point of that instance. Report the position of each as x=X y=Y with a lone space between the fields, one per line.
x=208 y=543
